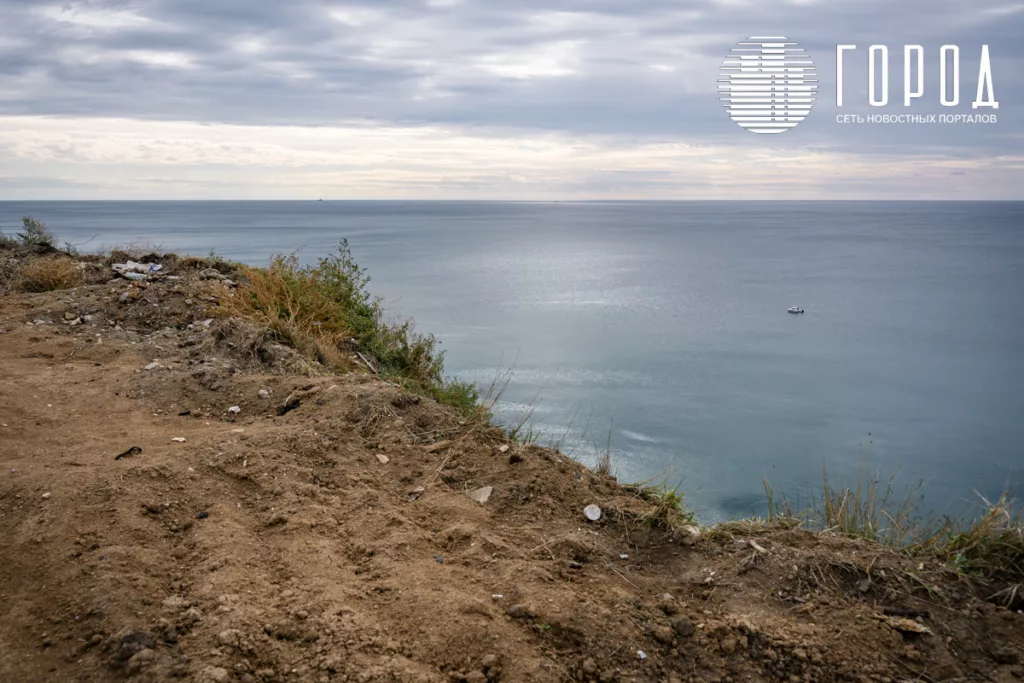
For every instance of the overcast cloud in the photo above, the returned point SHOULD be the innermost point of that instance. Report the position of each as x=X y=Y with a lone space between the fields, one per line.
x=561 y=99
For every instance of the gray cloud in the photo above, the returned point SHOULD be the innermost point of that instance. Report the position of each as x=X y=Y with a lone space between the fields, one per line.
x=644 y=70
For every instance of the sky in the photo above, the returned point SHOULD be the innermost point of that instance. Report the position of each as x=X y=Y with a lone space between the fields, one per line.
x=491 y=100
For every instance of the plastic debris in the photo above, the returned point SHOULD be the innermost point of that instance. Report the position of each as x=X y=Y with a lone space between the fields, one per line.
x=179 y=439
x=153 y=366
x=623 y=556
x=641 y=654
x=592 y=512
x=46 y=496
x=234 y=410
x=136 y=271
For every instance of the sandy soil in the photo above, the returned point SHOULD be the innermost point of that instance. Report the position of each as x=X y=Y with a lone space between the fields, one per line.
x=322 y=533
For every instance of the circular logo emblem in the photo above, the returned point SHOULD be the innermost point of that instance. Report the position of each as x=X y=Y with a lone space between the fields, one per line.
x=767 y=84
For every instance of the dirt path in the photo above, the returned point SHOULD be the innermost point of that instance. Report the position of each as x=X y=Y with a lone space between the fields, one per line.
x=281 y=547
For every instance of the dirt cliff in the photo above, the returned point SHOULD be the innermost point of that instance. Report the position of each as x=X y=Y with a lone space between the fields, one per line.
x=180 y=498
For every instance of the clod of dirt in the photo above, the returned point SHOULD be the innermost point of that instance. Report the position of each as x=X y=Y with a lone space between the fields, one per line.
x=683 y=626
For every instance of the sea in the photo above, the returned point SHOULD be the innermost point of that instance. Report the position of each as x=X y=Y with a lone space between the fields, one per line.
x=659 y=330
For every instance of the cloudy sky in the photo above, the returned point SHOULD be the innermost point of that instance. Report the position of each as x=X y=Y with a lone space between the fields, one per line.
x=475 y=99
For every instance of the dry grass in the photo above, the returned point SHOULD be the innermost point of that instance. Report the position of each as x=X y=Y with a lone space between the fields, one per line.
x=294 y=309
x=985 y=541
x=47 y=274
x=326 y=313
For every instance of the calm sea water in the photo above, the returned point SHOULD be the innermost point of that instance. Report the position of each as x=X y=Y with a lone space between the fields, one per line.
x=665 y=324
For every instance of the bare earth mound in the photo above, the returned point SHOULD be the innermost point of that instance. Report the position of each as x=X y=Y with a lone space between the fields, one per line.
x=322 y=533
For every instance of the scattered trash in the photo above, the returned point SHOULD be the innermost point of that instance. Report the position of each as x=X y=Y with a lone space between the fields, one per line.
x=131 y=267
x=480 y=495
x=575 y=565
x=439 y=558
x=179 y=439
x=497 y=596
x=641 y=654
x=133 y=276
x=758 y=548
x=503 y=448
x=234 y=410
x=153 y=366
x=211 y=274
x=46 y=496
x=207 y=322
x=383 y=458
x=592 y=512
x=202 y=515
x=623 y=556
x=134 y=450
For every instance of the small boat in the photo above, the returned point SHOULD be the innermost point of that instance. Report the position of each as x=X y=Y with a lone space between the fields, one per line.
x=795 y=309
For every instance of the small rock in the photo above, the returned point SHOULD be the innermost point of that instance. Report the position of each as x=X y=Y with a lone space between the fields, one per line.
x=728 y=645
x=68 y=315
x=178 y=439
x=683 y=626
x=383 y=458
x=132 y=643
x=202 y=515
x=47 y=495
x=641 y=654
x=88 y=318
x=575 y=565
x=519 y=612
x=589 y=667
x=234 y=410
x=480 y=495
x=263 y=393
x=503 y=448
x=663 y=634
x=691 y=535
x=229 y=638
x=489 y=662
x=214 y=674
x=153 y=366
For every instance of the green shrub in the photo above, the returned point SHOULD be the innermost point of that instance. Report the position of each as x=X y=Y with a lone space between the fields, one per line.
x=36 y=233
